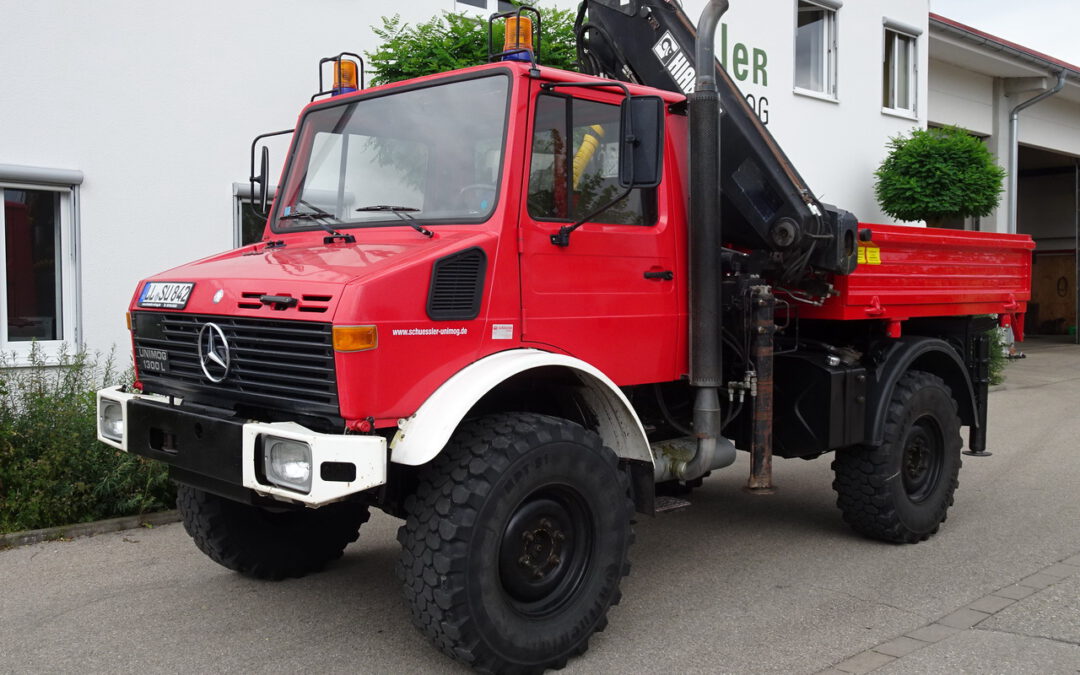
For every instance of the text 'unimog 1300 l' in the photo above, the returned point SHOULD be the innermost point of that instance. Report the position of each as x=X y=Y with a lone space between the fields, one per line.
x=514 y=306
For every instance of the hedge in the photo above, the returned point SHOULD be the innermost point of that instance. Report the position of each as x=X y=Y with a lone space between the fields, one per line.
x=53 y=470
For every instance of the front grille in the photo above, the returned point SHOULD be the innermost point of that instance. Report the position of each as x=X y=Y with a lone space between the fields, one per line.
x=283 y=365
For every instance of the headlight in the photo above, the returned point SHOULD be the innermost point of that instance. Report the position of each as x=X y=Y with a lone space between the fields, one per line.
x=287 y=463
x=111 y=420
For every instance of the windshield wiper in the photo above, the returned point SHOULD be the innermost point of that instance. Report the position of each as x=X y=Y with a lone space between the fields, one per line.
x=316 y=214
x=401 y=212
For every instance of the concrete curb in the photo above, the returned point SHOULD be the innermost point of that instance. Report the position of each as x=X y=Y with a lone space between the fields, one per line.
x=28 y=537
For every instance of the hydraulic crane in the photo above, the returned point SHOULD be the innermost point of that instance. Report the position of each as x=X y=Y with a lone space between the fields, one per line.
x=766 y=204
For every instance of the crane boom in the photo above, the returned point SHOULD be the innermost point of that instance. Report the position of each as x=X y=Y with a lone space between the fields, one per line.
x=766 y=203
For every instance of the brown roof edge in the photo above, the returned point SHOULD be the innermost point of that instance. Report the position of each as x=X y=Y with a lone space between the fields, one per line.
x=1031 y=54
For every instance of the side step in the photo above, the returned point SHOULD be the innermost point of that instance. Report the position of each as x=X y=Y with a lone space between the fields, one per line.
x=667 y=504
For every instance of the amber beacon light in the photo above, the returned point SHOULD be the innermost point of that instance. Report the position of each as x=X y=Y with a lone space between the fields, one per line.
x=346 y=79
x=518 y=40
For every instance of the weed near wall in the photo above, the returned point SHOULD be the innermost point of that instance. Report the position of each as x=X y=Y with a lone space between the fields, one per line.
x=53 y=470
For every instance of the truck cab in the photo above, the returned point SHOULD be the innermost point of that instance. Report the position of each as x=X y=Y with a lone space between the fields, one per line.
x=410 y=239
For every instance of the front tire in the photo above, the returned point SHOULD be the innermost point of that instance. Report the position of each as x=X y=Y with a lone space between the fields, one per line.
x=902 y=490
x=267 y=544
x=515 y=543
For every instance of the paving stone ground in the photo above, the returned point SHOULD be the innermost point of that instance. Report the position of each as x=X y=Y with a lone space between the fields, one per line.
x=972 y=617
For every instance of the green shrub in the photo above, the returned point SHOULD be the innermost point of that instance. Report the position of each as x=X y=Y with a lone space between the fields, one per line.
x=451 y=41
x=997 y=356
x=935 y=174
x=53 y=470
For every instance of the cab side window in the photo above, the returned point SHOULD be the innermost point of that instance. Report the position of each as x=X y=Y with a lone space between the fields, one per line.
x=575 y=168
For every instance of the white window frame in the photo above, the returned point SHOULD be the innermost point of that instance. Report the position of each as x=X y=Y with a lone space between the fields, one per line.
x=890 y=83
x=490 y=7
x=830 y=50
x=469 y=7
x=69 y=269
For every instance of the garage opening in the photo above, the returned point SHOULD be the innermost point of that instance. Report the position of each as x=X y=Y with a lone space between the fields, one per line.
x=1048 y=209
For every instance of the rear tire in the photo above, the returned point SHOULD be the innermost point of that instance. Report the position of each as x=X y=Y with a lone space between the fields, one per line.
x=267 y=544
x=902 y=490
x=515 y=543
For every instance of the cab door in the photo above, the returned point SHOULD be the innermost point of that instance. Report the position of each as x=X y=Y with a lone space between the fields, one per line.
x=609 y=297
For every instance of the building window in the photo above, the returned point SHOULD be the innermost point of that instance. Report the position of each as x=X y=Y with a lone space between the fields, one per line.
x=500 y=6
x=899 y=72
x=33 y=272
x=38 y=224
x=248 y=223
x=815 y=47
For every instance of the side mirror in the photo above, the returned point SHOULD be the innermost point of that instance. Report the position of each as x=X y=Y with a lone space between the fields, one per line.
x=258 y=196
x=264 y=183
x=641 y=150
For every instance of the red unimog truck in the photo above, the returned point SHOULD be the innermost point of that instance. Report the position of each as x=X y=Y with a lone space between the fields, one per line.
x=513 y=305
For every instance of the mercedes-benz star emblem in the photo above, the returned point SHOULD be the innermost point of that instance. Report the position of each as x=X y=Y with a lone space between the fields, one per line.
x=213 y=352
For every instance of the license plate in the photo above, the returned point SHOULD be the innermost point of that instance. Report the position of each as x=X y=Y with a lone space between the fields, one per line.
x=153 y=360
x=166 y=294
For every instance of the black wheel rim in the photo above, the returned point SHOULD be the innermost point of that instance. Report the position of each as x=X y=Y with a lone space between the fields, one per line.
x=545 y=550
x=924 y=457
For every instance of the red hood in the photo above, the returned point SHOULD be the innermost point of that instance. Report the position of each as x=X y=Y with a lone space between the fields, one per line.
x=316 y=273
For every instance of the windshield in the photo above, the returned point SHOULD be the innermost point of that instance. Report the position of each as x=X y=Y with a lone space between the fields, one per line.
x=433 y=152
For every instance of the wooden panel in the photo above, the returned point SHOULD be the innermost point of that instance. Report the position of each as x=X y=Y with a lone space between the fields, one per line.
x=1054 y=288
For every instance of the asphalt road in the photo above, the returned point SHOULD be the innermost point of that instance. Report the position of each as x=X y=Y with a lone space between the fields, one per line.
x=736 y=583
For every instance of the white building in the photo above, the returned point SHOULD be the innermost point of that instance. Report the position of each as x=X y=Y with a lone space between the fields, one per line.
x=127 y=125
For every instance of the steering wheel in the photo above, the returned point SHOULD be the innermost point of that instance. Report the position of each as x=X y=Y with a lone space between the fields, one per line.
x=483 y=194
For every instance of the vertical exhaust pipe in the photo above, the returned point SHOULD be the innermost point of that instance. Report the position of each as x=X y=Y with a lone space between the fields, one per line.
x=706 y=366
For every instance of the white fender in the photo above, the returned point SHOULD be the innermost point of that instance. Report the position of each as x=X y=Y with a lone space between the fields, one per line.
x=422 y=436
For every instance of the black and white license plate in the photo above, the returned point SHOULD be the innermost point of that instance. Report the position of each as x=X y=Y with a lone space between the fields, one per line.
x=153 y=360
x=166 y=294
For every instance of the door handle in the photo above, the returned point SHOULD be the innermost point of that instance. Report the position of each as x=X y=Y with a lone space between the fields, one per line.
x=665 y=275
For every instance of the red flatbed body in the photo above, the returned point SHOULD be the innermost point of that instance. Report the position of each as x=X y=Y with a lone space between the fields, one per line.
x=907 y=272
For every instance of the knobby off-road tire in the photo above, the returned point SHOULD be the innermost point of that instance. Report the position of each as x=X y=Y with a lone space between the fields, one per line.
x=515 y=543
x=902 y=490
x=268 y=544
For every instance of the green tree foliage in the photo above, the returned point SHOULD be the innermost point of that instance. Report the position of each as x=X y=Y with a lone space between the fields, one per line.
x=451 y=41
x=935 y=174
x=53 y=470
x=998 y=348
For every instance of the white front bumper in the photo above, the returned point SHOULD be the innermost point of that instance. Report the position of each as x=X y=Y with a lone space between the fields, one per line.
x=367 y=454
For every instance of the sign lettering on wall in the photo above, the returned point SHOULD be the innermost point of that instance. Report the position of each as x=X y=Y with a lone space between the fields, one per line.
x=748 y=66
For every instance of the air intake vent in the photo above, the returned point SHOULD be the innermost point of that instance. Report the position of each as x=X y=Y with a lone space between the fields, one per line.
x=457 y=285
x=308 y=303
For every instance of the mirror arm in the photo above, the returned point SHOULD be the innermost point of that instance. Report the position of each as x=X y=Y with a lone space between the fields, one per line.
x=263 y=179
x=562 y=237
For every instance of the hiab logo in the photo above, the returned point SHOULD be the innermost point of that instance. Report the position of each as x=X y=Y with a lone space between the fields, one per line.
x=676 y=63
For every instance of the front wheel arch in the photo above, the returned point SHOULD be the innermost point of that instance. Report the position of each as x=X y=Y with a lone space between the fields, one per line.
x=421 y=437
